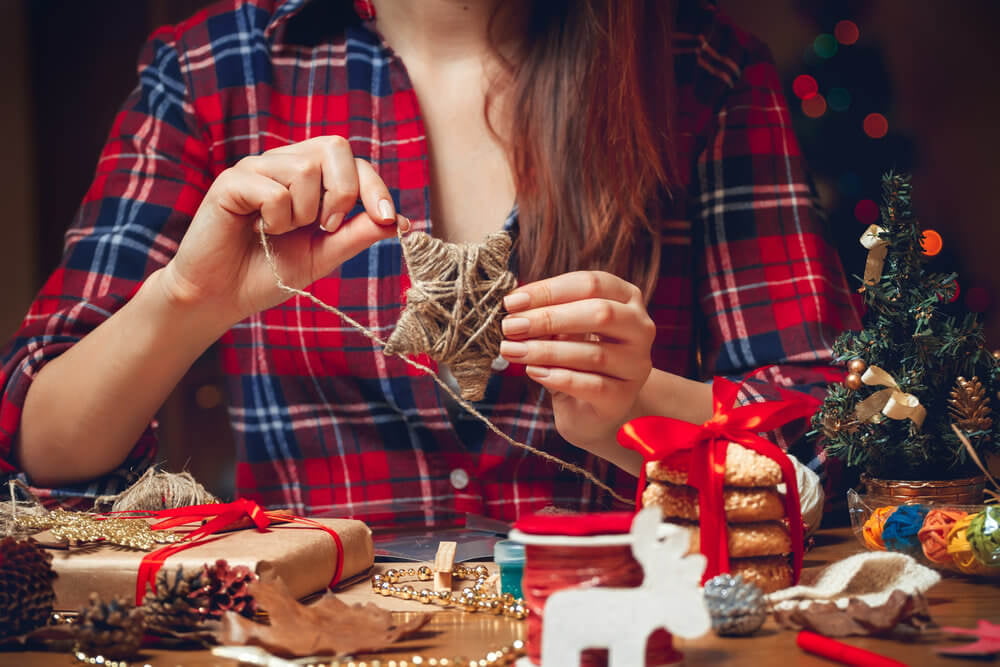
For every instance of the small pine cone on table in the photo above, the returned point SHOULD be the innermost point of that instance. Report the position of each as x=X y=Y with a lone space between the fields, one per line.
x=178 y=603
x=112 y=629
x=26 y=595
x=183 y=601
x=227 y=588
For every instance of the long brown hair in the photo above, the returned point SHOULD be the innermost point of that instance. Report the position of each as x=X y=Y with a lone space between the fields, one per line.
x=589 y=138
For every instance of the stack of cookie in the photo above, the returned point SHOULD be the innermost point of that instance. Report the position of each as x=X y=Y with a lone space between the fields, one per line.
x=759 y=543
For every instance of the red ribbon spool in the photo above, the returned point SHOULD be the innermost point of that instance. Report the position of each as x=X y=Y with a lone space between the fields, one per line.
x=596 y=551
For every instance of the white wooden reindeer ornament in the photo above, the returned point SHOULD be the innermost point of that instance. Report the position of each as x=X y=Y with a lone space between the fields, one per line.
x=622 y=619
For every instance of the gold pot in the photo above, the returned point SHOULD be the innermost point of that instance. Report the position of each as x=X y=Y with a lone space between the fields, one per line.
x=967 y=491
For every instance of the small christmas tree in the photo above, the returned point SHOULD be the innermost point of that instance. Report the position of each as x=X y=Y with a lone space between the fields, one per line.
x=937 y=360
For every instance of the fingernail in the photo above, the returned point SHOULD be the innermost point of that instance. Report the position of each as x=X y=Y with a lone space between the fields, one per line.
x=537 y=371
x=510 y=349
x=387 y=211
x=515 y=325
x=333 y=222
x=404 y=224
x=517 y=301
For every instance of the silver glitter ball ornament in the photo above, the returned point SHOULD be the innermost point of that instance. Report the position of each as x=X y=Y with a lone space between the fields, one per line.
x=736 y=607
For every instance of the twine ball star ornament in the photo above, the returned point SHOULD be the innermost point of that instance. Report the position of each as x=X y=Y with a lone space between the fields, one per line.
x=454 y=305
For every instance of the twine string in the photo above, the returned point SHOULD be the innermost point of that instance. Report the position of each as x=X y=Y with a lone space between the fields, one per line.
x=454 y=304
x=156 y=490
x=374 y=337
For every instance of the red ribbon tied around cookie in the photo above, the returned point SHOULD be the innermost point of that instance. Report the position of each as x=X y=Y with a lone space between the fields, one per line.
x=217 y=517
x=656 y=438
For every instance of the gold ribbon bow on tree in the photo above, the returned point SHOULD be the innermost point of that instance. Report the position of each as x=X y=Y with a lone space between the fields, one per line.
x=892 y=401
x=877 y=250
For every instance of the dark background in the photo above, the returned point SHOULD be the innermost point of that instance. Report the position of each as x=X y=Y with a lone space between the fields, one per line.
x=930 y=68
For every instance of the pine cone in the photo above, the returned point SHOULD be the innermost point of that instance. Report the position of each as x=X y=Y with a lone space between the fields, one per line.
x=26 y=595
x=110 y=629
x=735 y=606
x=969 y=406
x=227 y=589
x=178 y=603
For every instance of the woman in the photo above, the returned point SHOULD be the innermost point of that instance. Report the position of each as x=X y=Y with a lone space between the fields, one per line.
x=657 y=225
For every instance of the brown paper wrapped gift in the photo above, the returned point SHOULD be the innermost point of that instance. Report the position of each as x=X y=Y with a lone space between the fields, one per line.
x=305 y=558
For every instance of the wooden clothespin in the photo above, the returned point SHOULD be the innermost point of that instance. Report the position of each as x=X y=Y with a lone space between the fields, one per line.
x=444 y=563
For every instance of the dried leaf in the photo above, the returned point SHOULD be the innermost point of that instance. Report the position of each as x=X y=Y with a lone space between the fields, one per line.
x=901 y=614
x=325 y=627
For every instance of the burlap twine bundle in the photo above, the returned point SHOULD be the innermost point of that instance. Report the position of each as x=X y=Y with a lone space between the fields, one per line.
x=156 y=490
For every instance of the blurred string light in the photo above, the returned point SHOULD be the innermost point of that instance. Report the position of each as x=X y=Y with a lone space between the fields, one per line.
x=866 y=211
x=978 y=299
x=804 y=86
x=958 y=292
x=931 y=243
x=846 y=32
x=814 y=106
x=839 y=99
x=849 y=184
x=875 y=125
x=825 y=45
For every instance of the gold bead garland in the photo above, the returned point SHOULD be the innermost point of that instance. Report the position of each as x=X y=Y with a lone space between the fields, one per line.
x=101 y=660
x=472 y=598
x=505 y=655
x=81 y=527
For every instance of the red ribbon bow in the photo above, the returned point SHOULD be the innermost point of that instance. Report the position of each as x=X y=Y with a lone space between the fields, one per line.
x=217 y=517
x=657 y=438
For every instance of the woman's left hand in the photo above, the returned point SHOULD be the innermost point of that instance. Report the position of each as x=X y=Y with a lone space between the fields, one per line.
x=586 y=337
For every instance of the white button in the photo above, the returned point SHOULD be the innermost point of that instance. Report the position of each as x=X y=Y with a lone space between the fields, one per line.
x=459 y=478
x=500 y=364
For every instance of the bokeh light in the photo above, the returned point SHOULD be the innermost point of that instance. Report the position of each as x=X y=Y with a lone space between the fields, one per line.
x=839 y=99
x=978 y=299
x=932 y=243
x=814 y=106
x=875 y=125
x=825 y=45
x=804 y=86
x=849 y=184
x=846 y=32
x=866 y=211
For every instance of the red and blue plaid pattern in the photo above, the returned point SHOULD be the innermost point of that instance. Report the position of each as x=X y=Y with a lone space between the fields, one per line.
x=325 y=423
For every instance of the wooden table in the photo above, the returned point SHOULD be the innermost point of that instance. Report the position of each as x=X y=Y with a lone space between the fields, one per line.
x=956 y=601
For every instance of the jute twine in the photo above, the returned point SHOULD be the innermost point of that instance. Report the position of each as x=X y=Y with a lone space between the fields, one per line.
x=455 y=305
x=157 y=490
x=471 y=323
x=11 y=508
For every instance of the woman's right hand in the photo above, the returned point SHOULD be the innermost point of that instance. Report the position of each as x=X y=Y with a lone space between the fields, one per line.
x=302 y=193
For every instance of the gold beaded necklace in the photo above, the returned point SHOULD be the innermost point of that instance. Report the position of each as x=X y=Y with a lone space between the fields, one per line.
x=471 y=598
x=505 y=655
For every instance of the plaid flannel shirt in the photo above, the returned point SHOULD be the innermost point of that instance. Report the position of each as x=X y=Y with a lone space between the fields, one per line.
x=325 y=423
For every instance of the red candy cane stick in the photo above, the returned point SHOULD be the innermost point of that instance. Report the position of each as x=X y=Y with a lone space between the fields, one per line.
x=845 y=654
